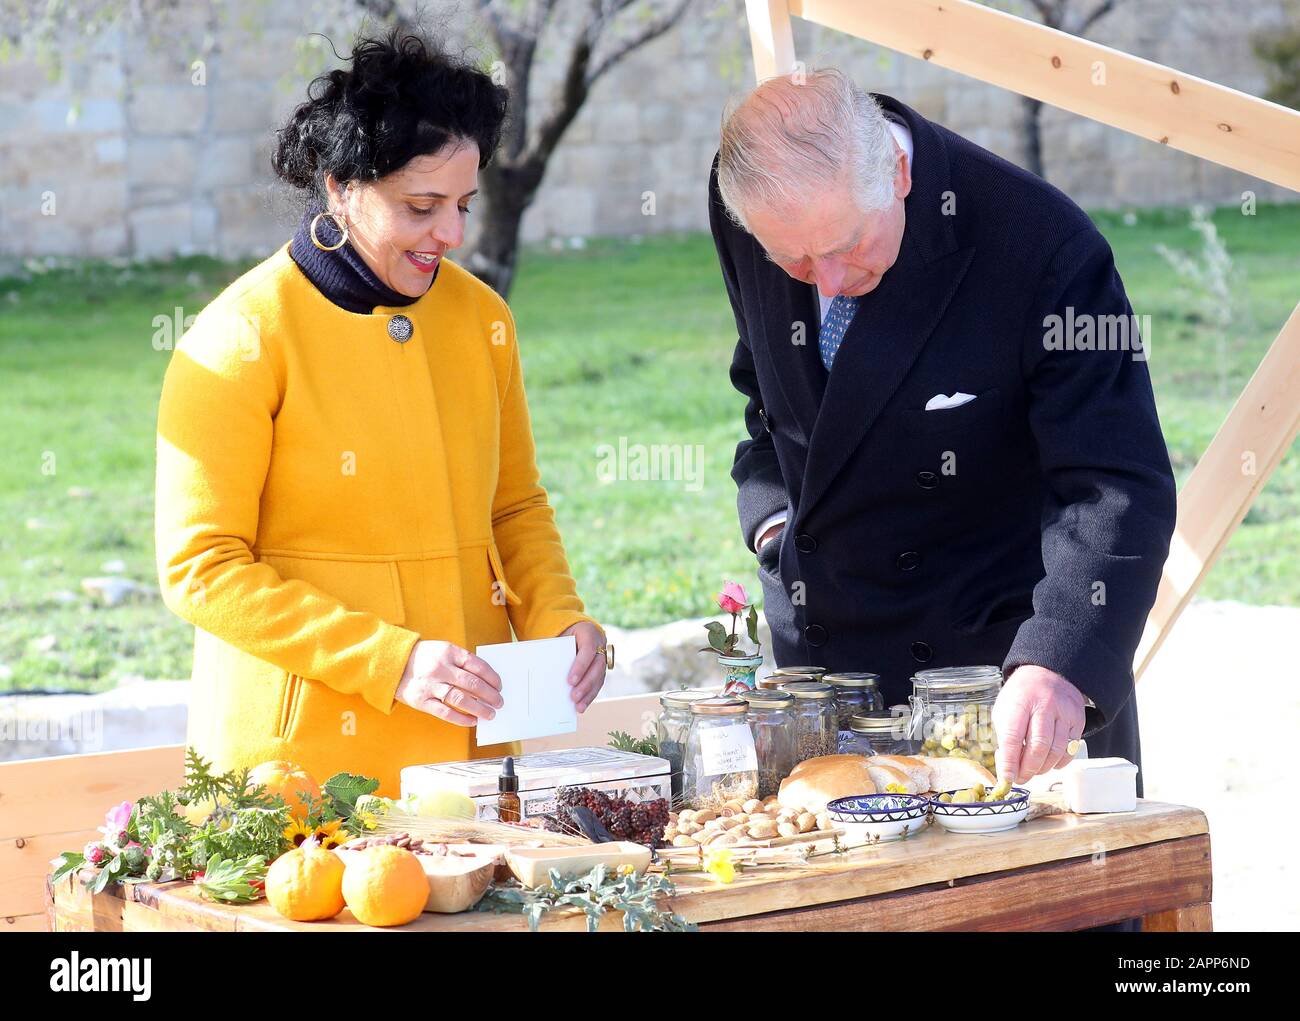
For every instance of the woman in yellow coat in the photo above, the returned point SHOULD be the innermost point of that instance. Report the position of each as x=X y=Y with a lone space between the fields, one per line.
x=348 y=501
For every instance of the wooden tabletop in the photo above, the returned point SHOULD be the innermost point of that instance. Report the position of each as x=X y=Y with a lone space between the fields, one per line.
x=1060 y=871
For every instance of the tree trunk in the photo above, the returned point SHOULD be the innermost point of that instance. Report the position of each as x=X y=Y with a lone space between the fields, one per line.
x=494 y=251
x=1031 y=134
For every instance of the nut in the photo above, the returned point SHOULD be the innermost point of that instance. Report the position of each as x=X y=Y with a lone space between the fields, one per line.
x=806 y=822
x=682 y=840
x=787 y=829
x=753 y=805
x=705 y=815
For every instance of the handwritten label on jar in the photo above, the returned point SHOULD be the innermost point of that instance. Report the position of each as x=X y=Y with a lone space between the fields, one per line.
x=727 y=750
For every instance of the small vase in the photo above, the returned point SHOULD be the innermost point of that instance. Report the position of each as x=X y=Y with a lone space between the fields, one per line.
x=738 y=673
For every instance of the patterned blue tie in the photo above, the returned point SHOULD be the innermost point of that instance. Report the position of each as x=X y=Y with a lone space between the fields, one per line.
x=837 y=320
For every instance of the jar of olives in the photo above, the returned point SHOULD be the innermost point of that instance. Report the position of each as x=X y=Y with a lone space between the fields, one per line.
x=816 y=724
x=801 y=673
x=721 y=764
x=855 y=694
x=880 y=732
x=952 y=712
x=672 y=727
x=771 y=719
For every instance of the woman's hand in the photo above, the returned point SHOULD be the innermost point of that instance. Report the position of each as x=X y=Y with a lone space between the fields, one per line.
x=588 y=671
x=450 y=683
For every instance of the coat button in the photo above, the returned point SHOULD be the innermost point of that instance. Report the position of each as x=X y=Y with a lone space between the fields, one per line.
x=927 y=480
x=400 y=329
x=921 y=652
x=908 y=561
x=805 y=543
x=815 y=634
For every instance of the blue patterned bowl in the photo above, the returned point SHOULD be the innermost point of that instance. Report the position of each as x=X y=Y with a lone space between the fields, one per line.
x=871 y=818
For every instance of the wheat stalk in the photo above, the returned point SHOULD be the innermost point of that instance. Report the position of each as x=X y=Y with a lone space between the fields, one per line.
x=448 y=830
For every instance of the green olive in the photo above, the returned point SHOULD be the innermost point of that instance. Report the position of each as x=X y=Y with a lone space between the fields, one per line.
x=1000 y=792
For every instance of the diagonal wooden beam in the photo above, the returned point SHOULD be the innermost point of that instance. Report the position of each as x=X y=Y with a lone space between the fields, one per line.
x=771 y=37
x=1212 y=121
x=1249 y=445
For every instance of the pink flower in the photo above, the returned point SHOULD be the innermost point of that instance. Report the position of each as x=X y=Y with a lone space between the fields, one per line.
x=732 y=598
x=117 y=819
x=95 y=853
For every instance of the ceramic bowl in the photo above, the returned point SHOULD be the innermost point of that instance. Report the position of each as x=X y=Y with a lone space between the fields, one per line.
x=981 y=816
x=871 y=818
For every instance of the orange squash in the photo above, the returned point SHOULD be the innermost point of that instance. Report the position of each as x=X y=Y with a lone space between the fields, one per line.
x=287 y=780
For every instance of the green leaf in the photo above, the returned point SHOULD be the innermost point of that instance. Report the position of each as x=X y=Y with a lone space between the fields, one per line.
x=345 y=788
x=65 y=864
x=751 y=622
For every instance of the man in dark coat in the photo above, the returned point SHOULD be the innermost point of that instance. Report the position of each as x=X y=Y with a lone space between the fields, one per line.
x=954 y=456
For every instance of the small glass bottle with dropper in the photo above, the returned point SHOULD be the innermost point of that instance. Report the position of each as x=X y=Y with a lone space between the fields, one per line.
x=508 y=808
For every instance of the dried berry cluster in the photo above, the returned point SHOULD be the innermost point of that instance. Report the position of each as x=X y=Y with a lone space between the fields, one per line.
x=639 y=821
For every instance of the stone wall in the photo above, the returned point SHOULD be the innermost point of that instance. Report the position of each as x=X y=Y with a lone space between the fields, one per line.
x=152 y=163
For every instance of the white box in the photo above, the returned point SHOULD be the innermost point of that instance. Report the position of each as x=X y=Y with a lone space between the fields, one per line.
x=635 y=777
x=1100 y=785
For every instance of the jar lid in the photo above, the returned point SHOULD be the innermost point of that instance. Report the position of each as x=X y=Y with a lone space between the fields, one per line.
x=852 y=680
x=878 y=722
x=682 y=698
x=808 y=689
x=766 y=698
x=718 y=705
x=957 y=678
x=773 y=681
x=801 y=671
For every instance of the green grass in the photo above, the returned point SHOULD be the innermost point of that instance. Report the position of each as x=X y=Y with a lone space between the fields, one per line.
x=620 y=339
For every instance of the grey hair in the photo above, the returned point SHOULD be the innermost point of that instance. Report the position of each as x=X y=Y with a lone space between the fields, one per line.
x=797 y=135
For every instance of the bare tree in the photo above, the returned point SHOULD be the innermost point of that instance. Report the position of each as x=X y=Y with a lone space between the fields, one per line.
x=594 y=35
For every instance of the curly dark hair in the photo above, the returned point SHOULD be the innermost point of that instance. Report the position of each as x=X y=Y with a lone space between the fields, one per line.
x=399 y=97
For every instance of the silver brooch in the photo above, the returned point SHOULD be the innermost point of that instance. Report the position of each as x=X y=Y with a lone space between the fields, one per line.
x=400 y=329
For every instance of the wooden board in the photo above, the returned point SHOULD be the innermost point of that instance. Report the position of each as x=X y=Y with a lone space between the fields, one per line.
x=845 y=888
x=1158 y=103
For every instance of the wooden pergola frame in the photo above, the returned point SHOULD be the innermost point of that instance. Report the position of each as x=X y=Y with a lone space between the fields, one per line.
x=1158 y=103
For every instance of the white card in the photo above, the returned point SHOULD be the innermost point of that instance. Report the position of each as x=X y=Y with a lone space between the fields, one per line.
x=533 y=687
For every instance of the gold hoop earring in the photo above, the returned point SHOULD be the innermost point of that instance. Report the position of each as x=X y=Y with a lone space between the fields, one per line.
x=340 y=225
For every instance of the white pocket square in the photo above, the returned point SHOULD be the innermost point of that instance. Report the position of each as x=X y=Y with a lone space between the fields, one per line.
x=939 y=402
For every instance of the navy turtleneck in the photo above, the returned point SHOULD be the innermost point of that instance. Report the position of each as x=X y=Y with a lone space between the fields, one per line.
x=342 y=275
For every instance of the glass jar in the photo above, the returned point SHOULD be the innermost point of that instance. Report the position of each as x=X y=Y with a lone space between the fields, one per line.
x=772 y=681
x=720 y=763
x=671 y=729
x=816 y=725
x=771 y=719
x=801 y=673
x=952 y=712
x=881 y=732
x=855 y=694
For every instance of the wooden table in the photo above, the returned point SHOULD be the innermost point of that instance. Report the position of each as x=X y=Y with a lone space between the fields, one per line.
x=1058 y=872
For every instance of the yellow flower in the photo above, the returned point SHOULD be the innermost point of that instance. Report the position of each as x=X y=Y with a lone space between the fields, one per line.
x=328 y=835
x=895 y=788
x=719 y=865
x=625 y=870
x=366 y=820
x=297 y=831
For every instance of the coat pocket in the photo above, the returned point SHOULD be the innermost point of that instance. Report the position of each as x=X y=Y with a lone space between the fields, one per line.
x=289 y=703
x=502 y=587
x=983 y=412
x=372 y=586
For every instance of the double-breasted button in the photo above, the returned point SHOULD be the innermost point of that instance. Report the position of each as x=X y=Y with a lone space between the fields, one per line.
x=921 y=652
x=815 y=634
x=927 y=480
x=805 y=543
x=400 y=328
x=908 y=561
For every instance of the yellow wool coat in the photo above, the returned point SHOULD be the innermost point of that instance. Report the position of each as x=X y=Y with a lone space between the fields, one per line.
x=326 y=496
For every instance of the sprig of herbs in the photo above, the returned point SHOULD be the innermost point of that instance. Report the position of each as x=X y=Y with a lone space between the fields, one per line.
x=625 y=742
x=599 y=891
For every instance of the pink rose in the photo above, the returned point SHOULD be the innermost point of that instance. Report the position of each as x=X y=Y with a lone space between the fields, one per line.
x=732 y=599
x=95 y=853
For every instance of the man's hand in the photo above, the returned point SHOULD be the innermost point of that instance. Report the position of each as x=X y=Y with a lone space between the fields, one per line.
x=1037 y=714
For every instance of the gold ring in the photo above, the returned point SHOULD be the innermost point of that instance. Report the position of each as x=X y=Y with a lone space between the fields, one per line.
x=1072 y=749
x=608 y=652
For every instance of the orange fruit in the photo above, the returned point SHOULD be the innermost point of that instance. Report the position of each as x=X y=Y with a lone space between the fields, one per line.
x=385 y=886
x=287 y=780
x=306 y=884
